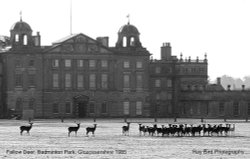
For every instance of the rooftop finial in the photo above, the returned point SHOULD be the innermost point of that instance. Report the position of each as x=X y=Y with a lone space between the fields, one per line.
x=128 y=16
x=20 y=16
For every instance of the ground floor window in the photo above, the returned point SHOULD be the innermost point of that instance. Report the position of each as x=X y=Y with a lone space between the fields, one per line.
x=191 y=112
x=104 y=107
x=221 y=108
x=126 y=107
x=138 y=108
x=198 y=109
x=248 y=109
x=170 y=108
x=236 y=108
x=55 y=108
x=68 y=107
x=184 y=109
x=91 y=107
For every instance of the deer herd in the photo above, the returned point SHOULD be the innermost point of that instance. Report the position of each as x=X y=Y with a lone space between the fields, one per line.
x=154 y=130
x=70 y=129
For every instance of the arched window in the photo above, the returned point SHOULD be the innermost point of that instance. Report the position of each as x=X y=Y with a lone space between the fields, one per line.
x=25 y=40
x=124 y=41
x=132 y=41
x=16 y=38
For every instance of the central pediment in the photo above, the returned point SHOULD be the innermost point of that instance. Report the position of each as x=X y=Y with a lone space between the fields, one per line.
x=78 y=43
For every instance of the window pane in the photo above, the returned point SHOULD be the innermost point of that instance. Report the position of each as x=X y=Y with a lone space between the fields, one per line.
x=91 y=107
x=126 y=64
x=138 y=108
x=104 y=63
x=92 y=81
x=92 y=63
x=248 y=109
x=19 y=80
x=169 y=83
x=55 y=80
x=139 y=81
x=126 y=108
x=104 y=83
x=236 y=108
x=80 y=81
x=32 y=80
x=126 y=81
x=55 y=63
x=104 y=107
x=157 y=83
x=67 y=80
x=79 y=63
x=138 y=64
x=67 y=63
x=55 y=108
x=221 y=108
x=68 y=107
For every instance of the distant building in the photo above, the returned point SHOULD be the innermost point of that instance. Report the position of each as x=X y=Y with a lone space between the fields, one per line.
x=79 y=76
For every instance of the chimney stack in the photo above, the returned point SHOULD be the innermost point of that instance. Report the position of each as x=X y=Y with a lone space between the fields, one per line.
x=218 y=81
x=103 y=40
x=166 y=51
x=243 y=87
x=37 y=39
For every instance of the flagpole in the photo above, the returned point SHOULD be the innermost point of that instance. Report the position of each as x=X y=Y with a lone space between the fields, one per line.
x=70 y=17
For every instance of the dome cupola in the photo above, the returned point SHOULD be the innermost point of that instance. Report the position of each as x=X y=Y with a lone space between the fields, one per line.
x=21 y=34
x=21 y=27
x=128 y=36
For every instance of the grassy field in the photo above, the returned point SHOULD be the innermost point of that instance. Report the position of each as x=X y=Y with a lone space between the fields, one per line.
x=49 y=139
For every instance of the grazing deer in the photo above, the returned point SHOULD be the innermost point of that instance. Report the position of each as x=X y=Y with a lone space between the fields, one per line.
x=125 y=129
x=75 y=129
x=141 y=129
x=91 y=129
x=25 y=128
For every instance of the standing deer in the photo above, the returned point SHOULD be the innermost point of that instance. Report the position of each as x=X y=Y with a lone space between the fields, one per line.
x=142 y=129
x=125 y=129
x=91 y=129
x=75 y=129
x=25 y=128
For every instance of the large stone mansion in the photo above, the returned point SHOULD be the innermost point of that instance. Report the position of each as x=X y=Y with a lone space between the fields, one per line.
x=78 y=77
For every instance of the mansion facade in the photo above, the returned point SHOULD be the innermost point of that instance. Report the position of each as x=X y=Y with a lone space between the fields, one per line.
x=78 y=77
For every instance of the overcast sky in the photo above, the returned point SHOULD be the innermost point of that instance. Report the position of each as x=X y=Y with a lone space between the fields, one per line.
x=220 y=28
